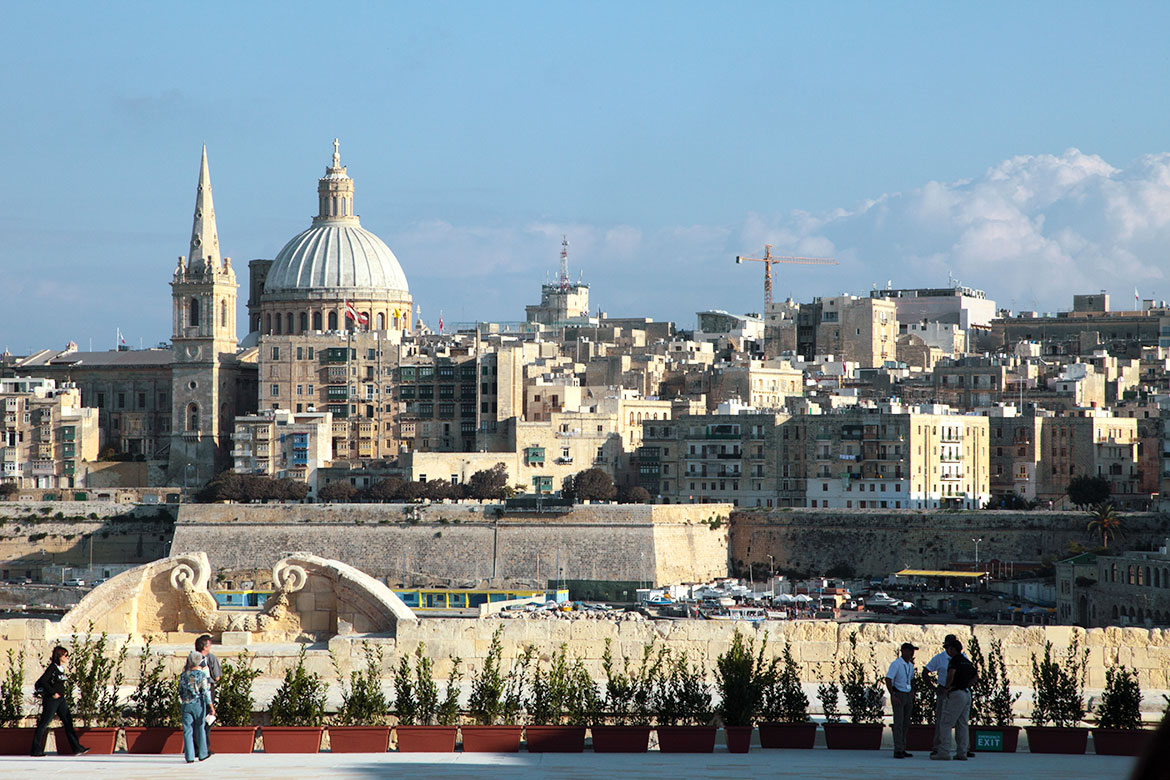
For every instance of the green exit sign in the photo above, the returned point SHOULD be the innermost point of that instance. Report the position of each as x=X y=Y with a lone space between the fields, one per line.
x=989 y=741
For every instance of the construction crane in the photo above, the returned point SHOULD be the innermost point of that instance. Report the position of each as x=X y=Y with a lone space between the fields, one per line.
x=770 y=258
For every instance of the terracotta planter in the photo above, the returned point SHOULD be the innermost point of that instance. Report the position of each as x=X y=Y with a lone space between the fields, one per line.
x=620 y=739
x=922 y=738
x=739 y=738
x=425 y=739
x=153 y=740
x=1121 y=742
x=100 y=741
x=16 y=742
x=800 y=736
x=232 y=739
x=994 y=739
x=291 y=739
x=853 y=736
x=1051 y=739
x=491 y=739
x=555 y=739
x=359 y=739
x=686 y=739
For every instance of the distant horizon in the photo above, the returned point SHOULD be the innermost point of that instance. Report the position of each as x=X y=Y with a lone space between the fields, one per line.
x=1016 y=149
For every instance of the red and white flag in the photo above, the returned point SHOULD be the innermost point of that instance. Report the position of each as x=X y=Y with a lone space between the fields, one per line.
x=351 y=313
x=440 y=320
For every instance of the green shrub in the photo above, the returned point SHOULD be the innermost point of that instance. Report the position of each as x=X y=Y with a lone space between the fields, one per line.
x=155 y=700
x=362 y=700
x=682 y=696
x=416 y=696
x=629 y=691
x=1059 y=689
x=742 y=676
x=924 y=690
x=563 y=692
x=828 y=694
x=94 y=679
x=784 y=700
x=233 y=692
x=300 y=699
x=497 y=698
x=1121 y=701
x=11 y=691
x=863 y=697
x=991 y=694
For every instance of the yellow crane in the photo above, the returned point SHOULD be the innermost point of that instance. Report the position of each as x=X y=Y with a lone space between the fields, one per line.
x=770 y=258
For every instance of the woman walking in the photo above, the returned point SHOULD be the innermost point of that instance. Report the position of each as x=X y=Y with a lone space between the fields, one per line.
x=51 y=688
x=195 y=701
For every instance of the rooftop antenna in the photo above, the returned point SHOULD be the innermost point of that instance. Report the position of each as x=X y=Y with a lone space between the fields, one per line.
x=563 y=279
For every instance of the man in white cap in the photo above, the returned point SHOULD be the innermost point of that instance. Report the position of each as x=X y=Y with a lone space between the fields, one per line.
x=899 y=682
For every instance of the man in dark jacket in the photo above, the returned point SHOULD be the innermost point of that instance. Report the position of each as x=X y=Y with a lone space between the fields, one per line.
x=51 y=688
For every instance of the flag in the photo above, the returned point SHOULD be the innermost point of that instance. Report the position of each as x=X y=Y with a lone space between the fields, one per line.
x=121 y=338
x=440 y=320
x=351 y=313
x=1137 y=300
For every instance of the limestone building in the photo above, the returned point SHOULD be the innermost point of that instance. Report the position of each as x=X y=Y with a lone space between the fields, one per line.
x=283 y=444
x=563 y=302
x=47 y=435
x=852 y=329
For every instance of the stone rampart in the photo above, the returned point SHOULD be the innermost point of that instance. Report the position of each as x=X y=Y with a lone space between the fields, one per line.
x=816 y=645
x=465 y=544
x=877 y=543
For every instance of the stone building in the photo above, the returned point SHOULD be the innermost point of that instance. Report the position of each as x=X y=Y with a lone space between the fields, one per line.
x=1090 y=442
x=284 y=445
x=1115 y=589
x=1015 y=452
x=851 y=329
x=47 y=434
x=563 y=301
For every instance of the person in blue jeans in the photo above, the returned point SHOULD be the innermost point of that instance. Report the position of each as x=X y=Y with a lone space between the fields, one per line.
x=195 y=705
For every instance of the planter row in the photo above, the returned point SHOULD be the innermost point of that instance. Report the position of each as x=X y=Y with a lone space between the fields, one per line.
x=571 y=739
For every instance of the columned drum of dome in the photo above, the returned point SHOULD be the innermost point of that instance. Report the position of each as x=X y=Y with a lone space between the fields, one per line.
x=334 y=262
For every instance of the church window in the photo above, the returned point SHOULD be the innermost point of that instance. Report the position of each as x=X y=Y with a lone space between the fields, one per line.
x=288 y=323
x=193 y=313
x=276 y=325
x=192 y=417
x=381 y=321
x=304 y=322
x=223 y=314
x=276 y=353
x=268 y=324
x=142 y=400
x=121 y=400
x=332 y=320
x=316 y=320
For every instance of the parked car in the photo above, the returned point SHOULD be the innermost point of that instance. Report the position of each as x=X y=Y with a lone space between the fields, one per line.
x=75 y=582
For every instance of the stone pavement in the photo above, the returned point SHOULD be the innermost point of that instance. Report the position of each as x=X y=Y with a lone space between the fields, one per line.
x=826 y=764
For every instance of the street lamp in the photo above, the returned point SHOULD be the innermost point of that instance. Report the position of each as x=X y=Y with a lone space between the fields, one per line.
x=771 y=577
x=977 y=541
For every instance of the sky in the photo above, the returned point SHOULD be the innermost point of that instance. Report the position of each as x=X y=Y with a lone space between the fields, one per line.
x=1021 y=148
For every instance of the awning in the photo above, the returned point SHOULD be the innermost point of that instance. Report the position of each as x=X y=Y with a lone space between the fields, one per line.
x=938 y=573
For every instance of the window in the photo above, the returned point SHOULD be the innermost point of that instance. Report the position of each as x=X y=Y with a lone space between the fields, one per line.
x=275 y=390
x=332 y=320
x=304 y=325
x=316 y=324
x=142 y=400
x=121 y=402
x=310 y=390
x=193 y=313
x=192 y=417
x=276 y=353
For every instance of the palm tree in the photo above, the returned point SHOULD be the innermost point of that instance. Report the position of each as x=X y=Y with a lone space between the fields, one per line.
x=1107 y=521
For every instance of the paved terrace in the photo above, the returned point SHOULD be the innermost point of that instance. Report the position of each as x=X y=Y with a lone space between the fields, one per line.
x=820 y=763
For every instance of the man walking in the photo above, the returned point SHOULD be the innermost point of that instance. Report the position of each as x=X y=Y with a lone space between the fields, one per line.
x=899 y=682
x=210 y=662
x=952 y=725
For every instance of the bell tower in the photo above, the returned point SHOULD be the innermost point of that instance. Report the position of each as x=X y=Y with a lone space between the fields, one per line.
x=203 y=334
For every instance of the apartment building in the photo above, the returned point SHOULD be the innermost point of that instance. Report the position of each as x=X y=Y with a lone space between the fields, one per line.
x=283 y=444
x=755 y=383
x=860 y=330
x=1015 y=452
x=1090 y=442
x=47 y=434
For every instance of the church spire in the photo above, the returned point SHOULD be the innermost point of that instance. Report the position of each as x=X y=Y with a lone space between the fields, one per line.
x=335 y=193
x=204 y=239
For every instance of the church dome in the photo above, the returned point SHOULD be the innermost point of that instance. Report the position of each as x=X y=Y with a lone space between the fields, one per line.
x=341 y=257
x=336 y=255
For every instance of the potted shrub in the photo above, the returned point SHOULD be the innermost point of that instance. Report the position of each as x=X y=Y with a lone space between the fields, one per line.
x=863 y=699
x=741 y=676
x=154 y=708
x=360 y=724
x=628 y=702
x=92 y=687
x=1059 y=704
x=991 y=728
x=784 y=720
x=496 y=701
x=425 y=724
x=1119 y=729
x=14 y=740
x=297 y=712
x=682 y=698
x=557 y=706
x=920 y=735
x=233 y=731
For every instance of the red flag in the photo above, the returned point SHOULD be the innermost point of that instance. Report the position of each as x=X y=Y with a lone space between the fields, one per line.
x=440 y=322
x=351 y=313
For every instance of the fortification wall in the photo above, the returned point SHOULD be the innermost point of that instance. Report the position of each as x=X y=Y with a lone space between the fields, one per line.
x=816 y=645
x=877 y=543
x=462 y=544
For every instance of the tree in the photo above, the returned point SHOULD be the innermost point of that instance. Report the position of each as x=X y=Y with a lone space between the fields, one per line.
x=489 y=483
x=438 y=489
x=336 y=493
x=1106 y=521
x=593 y=485
x=634 y=495
x=383 y=490
x=8 y=489
x=1085 y=491
x=413 y=491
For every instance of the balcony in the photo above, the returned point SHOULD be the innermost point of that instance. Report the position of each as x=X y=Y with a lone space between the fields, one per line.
x=40 y=467
x=564 y=460
x=263 y=434
x=241 y=453
x=729 y=455
x=242 y=436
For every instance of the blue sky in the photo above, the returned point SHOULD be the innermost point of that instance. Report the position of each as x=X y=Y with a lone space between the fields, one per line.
x=1020 y=146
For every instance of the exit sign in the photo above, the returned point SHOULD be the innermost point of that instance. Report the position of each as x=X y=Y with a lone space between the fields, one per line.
x=989 y=741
